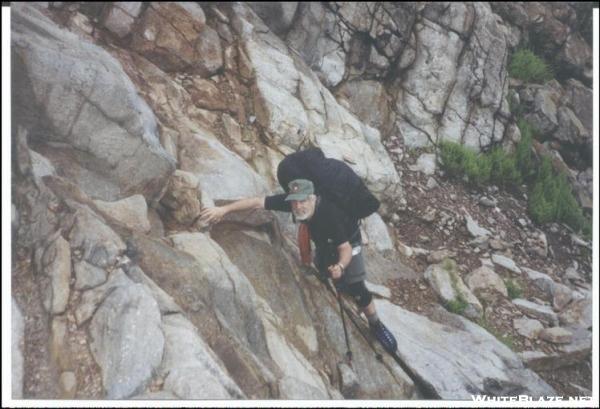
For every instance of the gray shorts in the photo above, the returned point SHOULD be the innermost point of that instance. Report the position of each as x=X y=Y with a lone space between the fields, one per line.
x=354 y=272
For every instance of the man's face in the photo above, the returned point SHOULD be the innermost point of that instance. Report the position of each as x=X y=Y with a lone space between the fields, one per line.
x=303 y=209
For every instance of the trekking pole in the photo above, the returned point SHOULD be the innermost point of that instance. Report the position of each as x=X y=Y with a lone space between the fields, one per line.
x=349 y=352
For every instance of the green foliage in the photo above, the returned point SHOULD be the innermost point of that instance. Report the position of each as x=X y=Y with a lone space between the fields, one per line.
x=550 y=195
x=457 y=305
x=450 y=266
x=523 y=150
x=452 y=156
x=527 y=66
x=459 y=160
x=552 y=200
x=504 y=169
x=513 y=288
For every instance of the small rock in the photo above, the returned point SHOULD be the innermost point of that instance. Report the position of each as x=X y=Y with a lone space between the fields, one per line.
x=556 y=335
x=405 y=250
x=452 y=197
x=580 y=242
x=379 y=290
x=541 y=312
x=527 y=327
x=349 y=384
x=561 y=296
x=474 y=229
x=488 y=202
x=429 y=215
x=431 y=183
x=439 y=255
x=68 y=385
x=497 y=245
x=506 y=263
x=424 y=239
x=395 y=218
x=522 y=222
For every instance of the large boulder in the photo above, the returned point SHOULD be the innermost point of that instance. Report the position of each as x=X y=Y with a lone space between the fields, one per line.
x=98 y=243
x=189 y=283
x=191 y=368
x=175 y=37
x=293 y=108
x=56 y=275
x=132 y=212
x=468 y=361
x=278 y=15
x=127 y=340
x=222 y=174
x=87 y=105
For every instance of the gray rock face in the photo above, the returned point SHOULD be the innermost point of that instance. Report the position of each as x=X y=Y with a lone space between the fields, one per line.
x=166 y=303
x=56 y=262
x=349 y=384
x=452 y=376
x=91 y=299
x=99 y=244
x=278 y=15
x=88 y=276
x=127 y=340
x=121 y=16
x=222 y=174
x=17 y=348
x=92 y=108
x=231 y=292
x=131 y=212
x=191 y=368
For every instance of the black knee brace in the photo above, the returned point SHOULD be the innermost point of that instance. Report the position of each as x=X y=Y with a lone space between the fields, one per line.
x=359 y=292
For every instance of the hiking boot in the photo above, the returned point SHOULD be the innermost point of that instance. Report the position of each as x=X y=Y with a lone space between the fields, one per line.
x=384 y=336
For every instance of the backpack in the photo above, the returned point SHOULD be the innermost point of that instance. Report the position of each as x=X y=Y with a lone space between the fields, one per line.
x=332 y=179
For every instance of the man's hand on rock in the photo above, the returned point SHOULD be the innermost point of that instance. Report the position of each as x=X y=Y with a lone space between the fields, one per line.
x=212 y=214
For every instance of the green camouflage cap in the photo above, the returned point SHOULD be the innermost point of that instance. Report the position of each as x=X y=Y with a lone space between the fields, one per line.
x=300 y=189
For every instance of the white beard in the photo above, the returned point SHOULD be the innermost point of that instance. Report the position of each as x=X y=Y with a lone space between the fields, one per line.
x=302 y=216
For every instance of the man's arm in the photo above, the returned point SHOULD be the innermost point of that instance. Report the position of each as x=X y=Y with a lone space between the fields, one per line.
x=215 y=214
x=345 y=256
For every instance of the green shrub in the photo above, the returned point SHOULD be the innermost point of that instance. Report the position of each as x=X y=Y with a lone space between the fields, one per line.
x=459 y=160
x=452 y=158
x=513 y=288
x=550 y=195
x=552 y=200
x=457 y=305
x=527 y=66
x=523 y=149
x=504 y=169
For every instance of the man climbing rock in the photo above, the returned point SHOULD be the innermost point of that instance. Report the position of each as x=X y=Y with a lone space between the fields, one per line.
x=337 y=242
